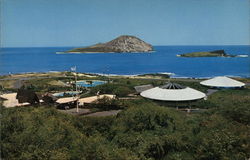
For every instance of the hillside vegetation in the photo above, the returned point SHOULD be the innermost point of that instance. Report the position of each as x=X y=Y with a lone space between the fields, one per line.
x=144 y=130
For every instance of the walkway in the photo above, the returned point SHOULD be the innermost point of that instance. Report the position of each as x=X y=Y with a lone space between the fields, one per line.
x=211 y=91
x=72 y=111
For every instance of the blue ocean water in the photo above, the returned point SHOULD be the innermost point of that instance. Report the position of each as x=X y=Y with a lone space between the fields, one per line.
x=164 y=59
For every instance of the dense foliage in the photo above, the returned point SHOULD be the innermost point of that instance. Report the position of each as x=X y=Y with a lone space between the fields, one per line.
x=112 y=88
x=144 y=130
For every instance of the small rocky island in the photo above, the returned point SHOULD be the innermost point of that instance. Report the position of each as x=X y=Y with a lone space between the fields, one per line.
x=122 y=44
x=216 y=53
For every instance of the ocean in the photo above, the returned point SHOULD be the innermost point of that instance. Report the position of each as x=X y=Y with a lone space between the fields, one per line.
x=163 y=60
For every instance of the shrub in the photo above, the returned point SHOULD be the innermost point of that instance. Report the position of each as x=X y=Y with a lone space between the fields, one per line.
x=145 y=118
x=122 y=91
x=109 y=88
x=106 y=104
x=38 y=133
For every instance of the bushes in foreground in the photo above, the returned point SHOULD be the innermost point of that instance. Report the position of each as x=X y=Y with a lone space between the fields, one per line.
x=143 y=130
x=43 y=133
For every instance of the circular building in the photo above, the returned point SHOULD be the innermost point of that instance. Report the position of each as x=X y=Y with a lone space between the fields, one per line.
x=173 y=92
x=222 y=82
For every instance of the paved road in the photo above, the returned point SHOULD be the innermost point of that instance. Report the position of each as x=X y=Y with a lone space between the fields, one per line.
x=211 y=91
x=72 y=111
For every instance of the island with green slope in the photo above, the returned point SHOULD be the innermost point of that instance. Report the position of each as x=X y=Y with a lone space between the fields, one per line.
x=216 y=53
x=121 y=44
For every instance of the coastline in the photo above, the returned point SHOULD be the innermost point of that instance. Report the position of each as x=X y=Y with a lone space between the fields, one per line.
x=139 y=76
x=164 y=60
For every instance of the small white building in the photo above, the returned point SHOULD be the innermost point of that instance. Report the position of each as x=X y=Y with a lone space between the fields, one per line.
x=222 y=82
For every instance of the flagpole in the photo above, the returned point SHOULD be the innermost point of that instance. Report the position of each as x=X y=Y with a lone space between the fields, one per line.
x=75 y=78
x=77 y=98
x=77 y=107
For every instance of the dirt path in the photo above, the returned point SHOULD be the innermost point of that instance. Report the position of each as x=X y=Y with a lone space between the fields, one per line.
x=72 y=111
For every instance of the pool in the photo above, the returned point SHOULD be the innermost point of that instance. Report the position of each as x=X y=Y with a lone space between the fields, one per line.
x=61 y=94
x=89 y=83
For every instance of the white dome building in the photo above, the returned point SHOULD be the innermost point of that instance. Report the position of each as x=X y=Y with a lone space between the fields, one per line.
x=173 y=92
x=222 y=82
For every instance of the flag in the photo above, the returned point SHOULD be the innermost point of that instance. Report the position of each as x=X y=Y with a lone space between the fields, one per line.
x=73 y=68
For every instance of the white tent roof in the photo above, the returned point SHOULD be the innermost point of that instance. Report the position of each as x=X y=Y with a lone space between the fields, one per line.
x=94 y=98
x=66 y=100
x=173 y=94
x=222 y=82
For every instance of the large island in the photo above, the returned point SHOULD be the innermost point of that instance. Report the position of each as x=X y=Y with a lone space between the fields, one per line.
x=122 y=44
x=216 y=53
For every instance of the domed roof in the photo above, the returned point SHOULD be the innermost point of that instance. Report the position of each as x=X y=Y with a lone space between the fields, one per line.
x=173 y=92
x=222 y=81
x=172 y=86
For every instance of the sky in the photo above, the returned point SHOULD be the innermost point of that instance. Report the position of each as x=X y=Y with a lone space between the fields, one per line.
x=47 y=23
